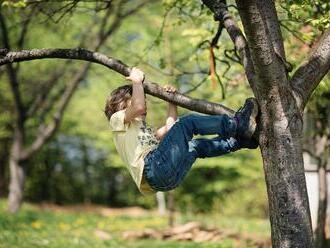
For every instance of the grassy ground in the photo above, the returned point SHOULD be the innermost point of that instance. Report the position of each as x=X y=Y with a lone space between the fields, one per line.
x=101 y=227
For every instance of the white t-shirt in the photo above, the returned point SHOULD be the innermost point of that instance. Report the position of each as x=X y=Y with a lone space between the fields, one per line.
x=133 y=142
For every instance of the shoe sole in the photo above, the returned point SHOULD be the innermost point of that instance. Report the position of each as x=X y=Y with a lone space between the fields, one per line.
x=252 y=122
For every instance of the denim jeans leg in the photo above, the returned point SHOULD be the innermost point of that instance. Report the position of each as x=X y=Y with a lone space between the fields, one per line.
x=213 y=147
x=194 y=124
x=173 y=157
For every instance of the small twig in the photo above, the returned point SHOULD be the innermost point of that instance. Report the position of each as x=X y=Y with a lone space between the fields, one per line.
x=294 y=33
x=196 y=86
x=216 y=38
x=227 y=69
x=226 y=53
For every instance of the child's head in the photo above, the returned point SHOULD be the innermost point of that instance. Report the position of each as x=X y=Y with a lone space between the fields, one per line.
x=118 y=100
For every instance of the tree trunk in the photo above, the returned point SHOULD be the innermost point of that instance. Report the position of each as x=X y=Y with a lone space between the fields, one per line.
x=17 y=172
x=171 y=208
x=322 y=208
x=160 y=196
x=3 y=167
x=87 y=176
x=16 y=186
x=280 y=142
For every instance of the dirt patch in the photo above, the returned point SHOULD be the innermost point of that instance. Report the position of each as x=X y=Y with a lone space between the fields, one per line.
x=196 y=232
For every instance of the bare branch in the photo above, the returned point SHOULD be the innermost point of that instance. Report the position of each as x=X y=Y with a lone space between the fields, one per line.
x=118 y=66
x=47 y=132
x=116 y=22
x=311 y=72
x=40 y=101
x=233 y=57
x=135 y=9
x=221 y=13
x=294 y=33
x=216 y=38
x=25 y=26
x=196 y=86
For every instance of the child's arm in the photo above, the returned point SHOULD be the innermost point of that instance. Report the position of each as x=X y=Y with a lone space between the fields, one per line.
x=137 y=106
x=172 y=114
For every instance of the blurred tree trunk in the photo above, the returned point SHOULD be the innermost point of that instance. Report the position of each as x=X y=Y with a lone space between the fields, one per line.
x=48 y=175
x=16 y=186
x=171 y=208
x=316 y=144
x=4 y=162
x=161 y=203
x=87 y=176
x=319 y=232
x=17 y=175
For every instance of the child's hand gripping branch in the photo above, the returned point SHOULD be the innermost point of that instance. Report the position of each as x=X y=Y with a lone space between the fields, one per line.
x=137 y=104
x=172 y=114
x=162 y=165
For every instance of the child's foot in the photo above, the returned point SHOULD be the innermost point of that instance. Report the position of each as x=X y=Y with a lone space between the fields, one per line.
x=246 y=118
x=248 y=143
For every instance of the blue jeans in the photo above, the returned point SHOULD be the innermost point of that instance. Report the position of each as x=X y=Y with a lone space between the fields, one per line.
x=167 y=165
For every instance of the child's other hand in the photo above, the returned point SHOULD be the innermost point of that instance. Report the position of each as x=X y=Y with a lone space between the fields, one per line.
x=136 y=75
x=170 y=88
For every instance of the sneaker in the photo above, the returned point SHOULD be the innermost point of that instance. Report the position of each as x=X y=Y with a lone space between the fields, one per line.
x=251 y=143
x=246 y=118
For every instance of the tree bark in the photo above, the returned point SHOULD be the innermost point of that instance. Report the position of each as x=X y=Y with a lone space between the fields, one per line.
x=281 y=148
x=319 y=232
x=16 y=186
x=280 y=127
x=17 y=173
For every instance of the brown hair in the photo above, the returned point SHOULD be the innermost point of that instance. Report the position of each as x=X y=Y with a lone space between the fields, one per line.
x=118 y=100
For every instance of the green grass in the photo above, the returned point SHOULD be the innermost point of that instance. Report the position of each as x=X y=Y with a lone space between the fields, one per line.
x=34 y=227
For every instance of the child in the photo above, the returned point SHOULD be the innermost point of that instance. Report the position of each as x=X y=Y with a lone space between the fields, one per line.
x=158 y=161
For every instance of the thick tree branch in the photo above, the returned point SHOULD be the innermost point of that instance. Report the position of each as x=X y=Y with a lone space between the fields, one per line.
x=221 y=14
x=268 y=65
x=311 y=72
x=118 y=66
x=272 y=22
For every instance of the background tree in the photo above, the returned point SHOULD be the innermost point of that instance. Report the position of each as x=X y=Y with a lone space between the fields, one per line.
x=42 y=108
x=316 y=144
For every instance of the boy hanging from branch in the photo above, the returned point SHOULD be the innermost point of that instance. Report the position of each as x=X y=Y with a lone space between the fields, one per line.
x=159 y=161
